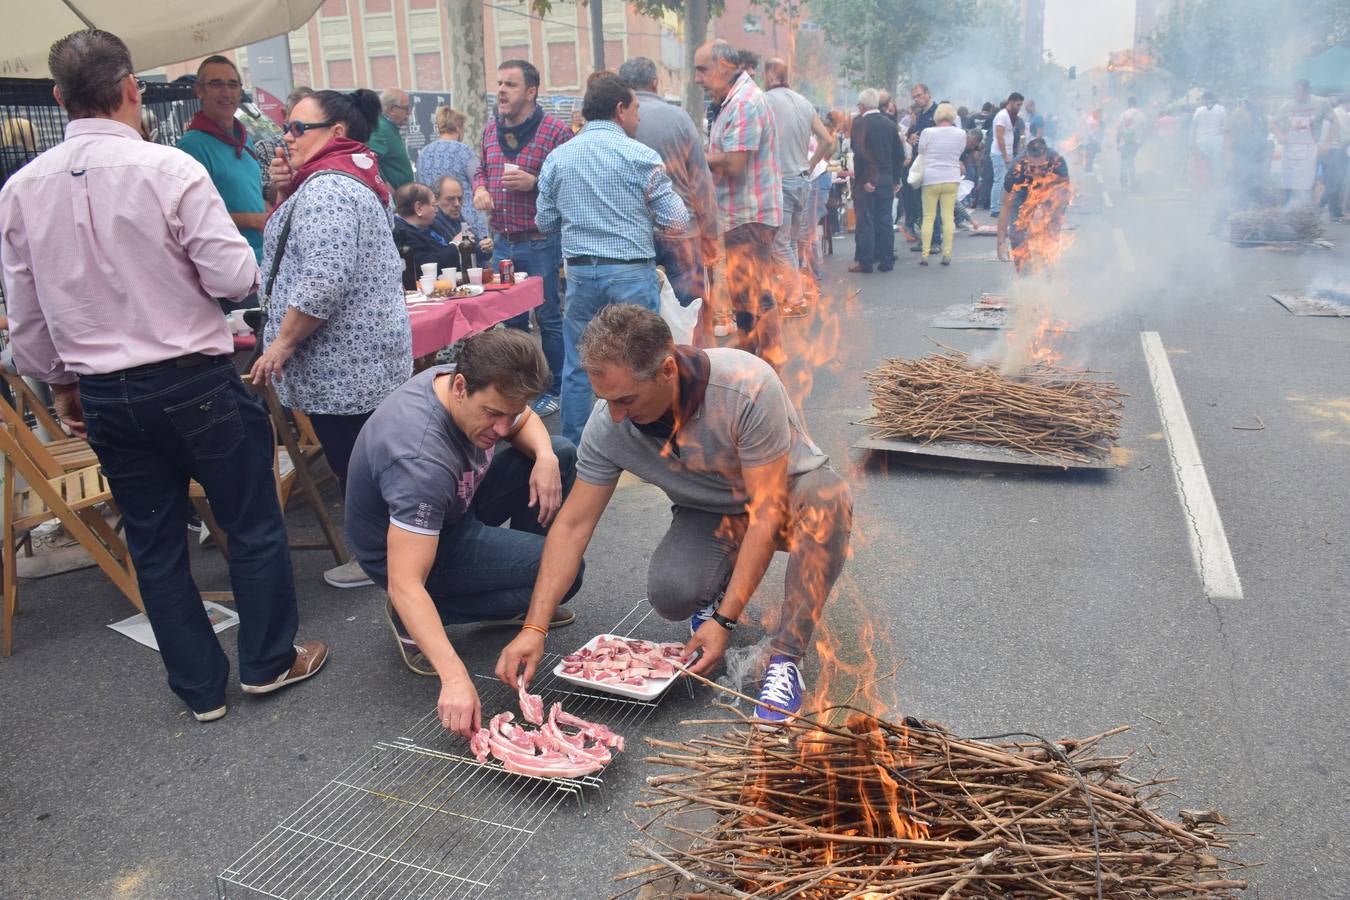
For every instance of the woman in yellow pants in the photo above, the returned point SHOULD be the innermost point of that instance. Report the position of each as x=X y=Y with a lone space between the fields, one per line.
x=941 y=146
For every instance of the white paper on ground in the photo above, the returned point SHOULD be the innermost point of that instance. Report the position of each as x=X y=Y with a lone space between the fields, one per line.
x=137 y=627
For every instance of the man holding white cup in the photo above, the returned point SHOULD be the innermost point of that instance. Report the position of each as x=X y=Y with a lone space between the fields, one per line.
x=515 y=144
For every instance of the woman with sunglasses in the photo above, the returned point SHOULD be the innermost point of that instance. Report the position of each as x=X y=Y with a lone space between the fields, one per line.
x=337 y=338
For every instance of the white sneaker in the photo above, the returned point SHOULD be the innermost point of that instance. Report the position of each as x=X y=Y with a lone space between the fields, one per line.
x=347 y=575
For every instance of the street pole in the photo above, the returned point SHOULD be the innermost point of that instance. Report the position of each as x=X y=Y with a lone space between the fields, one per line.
x=695 y=33
x=597 y=34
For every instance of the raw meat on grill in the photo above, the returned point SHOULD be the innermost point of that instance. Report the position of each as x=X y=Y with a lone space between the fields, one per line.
x=624 y=661
x=564 y=746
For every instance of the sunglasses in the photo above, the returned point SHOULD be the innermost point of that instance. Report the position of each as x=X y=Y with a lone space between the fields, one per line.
x=298 y=129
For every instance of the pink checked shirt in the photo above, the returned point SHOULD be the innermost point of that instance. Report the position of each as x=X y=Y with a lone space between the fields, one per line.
x=745 y=123
x=113 y=250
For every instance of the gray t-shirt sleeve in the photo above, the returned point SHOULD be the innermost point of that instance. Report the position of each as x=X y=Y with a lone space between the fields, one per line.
x=414 y=489
x=594 y=464
x=763 y=433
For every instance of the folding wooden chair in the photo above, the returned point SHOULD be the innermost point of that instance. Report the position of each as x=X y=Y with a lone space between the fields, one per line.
x=70 y=495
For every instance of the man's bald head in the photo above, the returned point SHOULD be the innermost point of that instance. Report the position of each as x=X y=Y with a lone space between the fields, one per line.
x=716 y=68
x=394 y=102
x=776 y=72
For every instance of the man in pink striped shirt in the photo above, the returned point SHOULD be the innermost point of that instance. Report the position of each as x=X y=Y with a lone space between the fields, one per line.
x=113 y=251
x=742 y=155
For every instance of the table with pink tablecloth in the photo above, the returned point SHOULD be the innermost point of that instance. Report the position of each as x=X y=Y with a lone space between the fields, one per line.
x=438 y=325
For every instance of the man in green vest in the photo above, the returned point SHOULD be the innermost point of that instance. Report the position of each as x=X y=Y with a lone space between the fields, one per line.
x=387 y=142
x=219 y=142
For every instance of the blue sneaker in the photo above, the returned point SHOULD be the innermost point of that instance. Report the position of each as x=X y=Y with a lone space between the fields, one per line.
x=783 y=687
x=697 y=619
x=546 y=405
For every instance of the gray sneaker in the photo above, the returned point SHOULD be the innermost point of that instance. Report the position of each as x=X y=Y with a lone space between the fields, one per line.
x=347 y=575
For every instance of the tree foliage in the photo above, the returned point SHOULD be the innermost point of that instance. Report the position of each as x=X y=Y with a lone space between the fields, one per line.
x=1235 y=47
x=882 y=38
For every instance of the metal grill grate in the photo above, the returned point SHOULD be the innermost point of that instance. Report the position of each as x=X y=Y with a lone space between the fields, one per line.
x=418 y=817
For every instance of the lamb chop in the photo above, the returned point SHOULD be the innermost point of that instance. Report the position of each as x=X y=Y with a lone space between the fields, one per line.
x=552 y=750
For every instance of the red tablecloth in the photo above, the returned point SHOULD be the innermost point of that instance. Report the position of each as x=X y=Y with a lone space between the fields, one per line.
x=438 y=325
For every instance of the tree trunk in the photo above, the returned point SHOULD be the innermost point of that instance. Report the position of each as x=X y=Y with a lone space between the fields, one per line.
x=597 y=8
x=467 y=76
x=695 y=34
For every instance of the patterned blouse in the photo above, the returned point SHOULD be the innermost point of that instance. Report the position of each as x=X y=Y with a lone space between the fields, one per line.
x=339 y=265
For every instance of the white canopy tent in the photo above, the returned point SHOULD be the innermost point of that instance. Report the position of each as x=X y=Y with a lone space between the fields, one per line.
x=159 y=32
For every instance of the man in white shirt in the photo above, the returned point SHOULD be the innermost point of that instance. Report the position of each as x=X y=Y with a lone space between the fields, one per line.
x=1129 y=137
x=794 y=122
x=1004 y=145
x=1207 y=131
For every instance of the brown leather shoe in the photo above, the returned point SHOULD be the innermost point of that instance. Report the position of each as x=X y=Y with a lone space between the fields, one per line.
x=859 y=267
x=309 y=659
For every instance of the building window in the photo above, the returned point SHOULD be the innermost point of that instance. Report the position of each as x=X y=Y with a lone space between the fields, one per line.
x=429 y=77
x=560 y=36
x=378 y=6
x=300 y=74
x=616 y=32
x=513 y=31
x=341 y=76
x=562 y=66
x=383 y=72
x=333 y=9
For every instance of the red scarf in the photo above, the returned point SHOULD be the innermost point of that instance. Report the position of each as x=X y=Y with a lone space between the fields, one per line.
x=237 y=140
x=351 y=157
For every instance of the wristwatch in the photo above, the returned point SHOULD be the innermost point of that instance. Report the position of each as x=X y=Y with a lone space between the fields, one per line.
x=728 y=624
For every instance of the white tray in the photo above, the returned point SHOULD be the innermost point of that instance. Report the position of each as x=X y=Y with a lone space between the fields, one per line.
x=654 y=687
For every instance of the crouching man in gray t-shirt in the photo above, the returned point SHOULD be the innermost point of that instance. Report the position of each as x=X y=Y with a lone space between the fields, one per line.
x=715 y=430
x=426 y=490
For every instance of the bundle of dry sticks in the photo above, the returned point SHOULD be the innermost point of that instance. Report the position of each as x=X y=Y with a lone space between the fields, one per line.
x=1046 y=410
x=1276 y=225
x=873 y=809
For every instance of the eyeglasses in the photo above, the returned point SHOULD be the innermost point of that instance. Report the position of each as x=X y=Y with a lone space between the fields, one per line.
x=298 y=129
x=218 y=84
x=140 y=82
x=404 y=108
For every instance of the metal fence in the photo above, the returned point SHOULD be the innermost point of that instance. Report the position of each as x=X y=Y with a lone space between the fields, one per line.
x=31 y=121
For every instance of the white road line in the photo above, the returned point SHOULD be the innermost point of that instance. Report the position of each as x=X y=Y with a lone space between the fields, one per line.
x=1123 y=249
x=1106 y=200
x=1209 y=543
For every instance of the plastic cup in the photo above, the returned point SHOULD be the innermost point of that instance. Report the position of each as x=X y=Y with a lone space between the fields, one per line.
x=475 y=276
x=510 y=167
x=428 y=284
x=429 y=270
x=448 y=274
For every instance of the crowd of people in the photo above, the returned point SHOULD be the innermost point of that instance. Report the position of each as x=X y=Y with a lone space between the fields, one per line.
x=1251 y=155
x=119 y=309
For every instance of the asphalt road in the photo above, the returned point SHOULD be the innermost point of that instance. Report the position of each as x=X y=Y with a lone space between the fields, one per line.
x=1062 y=604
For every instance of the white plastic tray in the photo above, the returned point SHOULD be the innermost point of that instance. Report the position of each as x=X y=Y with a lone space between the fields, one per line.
x=654 y=687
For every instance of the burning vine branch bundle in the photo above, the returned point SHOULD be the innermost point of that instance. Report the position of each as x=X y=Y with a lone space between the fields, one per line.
x=874 y=809
x=1051 y=412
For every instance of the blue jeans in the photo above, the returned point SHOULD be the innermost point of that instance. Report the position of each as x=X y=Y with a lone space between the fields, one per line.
x=483 y=572
x=589 y=289
x=153 y=430
x=682 y=258
x=996 y=188
x=796 y=193
x=540 y=258
x=808 y=241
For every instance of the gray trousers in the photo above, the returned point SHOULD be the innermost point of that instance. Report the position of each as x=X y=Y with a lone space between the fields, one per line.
x=694 y=561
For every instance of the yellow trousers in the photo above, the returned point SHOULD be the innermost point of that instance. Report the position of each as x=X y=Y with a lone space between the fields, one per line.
x=935 y=197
